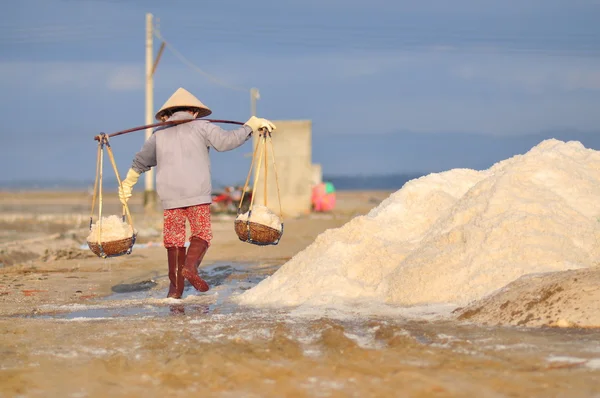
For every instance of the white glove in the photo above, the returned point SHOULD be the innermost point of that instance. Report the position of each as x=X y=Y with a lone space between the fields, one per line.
x=127 y=186
x=256 y=123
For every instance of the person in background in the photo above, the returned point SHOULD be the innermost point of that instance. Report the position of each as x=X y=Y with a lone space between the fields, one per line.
x=323 y=197
x=180 y=154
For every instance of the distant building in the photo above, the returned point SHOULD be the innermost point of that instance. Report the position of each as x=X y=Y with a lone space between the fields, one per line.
x=292 y=146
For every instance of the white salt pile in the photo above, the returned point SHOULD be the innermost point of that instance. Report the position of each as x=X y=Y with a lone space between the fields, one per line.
x=112 y=228
x=454 y=237
x=262 y=215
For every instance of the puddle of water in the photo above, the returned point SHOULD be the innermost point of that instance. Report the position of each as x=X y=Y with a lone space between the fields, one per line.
x=134 y=287
x=147 y=311
x=142 y=299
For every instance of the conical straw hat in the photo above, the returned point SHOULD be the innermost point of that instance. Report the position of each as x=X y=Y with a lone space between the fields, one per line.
x=183 y=99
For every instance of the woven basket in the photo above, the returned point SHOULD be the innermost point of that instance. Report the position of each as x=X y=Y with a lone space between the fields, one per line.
x=113 y=248
x=260 y=234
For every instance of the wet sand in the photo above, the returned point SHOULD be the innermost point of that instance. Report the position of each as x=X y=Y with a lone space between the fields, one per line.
x=76 y=325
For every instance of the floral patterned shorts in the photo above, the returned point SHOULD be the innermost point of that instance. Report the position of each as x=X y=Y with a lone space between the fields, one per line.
x=174 y=224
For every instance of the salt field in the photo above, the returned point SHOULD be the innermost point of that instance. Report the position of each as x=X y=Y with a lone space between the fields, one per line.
x=461 y=283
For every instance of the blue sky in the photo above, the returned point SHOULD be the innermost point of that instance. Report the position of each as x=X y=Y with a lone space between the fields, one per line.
x=396 y=69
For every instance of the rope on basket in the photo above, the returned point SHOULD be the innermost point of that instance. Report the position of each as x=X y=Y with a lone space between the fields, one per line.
x=125 y=247
x=264 y=138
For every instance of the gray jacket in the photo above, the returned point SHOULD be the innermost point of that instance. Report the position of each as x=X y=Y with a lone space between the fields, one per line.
x=180 y=154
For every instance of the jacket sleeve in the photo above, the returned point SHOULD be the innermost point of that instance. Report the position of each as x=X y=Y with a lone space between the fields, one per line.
x=146 y=157
x=225 y=140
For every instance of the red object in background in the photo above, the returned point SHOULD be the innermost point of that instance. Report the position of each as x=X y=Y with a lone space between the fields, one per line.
x=229 y=200
x=321 y=200
x=223 y=197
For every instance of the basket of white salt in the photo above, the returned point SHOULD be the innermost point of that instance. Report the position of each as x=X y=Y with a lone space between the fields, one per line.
x=259 y=226
x=111 y=237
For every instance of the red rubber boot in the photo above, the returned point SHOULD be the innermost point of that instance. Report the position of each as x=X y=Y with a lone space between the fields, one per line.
x=176 y=259
x=195 y=254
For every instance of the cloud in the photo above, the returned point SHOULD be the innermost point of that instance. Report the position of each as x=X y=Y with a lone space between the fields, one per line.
x=126 y=78
x=431 y=91
x=352 y=92
x=533 y=74
x=64 y=76
x=583 y=79
x=444 y=68
x=422 y=91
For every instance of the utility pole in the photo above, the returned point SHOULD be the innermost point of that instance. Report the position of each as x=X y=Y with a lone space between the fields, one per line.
x=149 y=193
x=254 y=95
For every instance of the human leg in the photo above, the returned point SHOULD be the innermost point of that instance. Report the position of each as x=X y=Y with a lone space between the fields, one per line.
x=174 y=242
x=200 y=225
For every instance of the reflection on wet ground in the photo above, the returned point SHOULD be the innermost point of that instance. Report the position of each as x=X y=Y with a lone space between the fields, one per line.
x=136 y=339
x=144 y=298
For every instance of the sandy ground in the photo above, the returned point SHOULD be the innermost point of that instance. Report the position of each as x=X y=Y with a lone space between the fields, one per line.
x=256 y=354
x=561 y=299
x=42 y=233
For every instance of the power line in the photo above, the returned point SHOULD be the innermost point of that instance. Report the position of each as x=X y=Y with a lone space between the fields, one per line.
x=60 y=34
x=193 y=66
x=317 y=36
x=409 y=37
x=59 y=40
x=399 y=42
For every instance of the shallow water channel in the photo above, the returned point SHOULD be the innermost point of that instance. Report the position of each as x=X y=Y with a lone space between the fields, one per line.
x=137 y=343
x=144 y=299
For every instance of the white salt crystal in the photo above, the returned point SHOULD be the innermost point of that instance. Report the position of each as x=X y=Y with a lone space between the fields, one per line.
x=454 y=237
x=262 y=215
x=113 y=228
